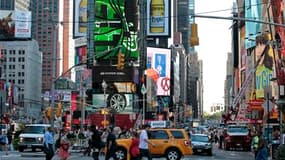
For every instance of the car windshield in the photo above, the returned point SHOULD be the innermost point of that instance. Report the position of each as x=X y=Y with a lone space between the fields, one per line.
x=199 y=138
x=34 y=129
x=237 y=129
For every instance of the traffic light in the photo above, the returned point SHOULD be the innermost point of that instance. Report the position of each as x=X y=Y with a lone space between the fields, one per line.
x=194 y=39
x=48 y=112
x=58 y=109
x=121 y=61
x=104 y=111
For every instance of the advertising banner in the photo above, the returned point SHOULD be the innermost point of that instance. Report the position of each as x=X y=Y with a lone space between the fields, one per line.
x=158 y=21
x=121 y=103
x=115 y=31
x=15 y=24
x=80 y=18
x=80 y=54
x=111 y=74
x=264 y=70
x=158 y=59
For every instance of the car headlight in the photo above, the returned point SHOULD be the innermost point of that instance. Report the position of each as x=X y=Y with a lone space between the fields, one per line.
x=21 y=139
x=40 y=139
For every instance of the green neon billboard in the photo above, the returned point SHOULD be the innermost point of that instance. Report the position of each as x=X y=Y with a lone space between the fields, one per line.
x=116 y=29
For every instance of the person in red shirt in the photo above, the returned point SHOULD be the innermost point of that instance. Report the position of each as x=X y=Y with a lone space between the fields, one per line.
x=134 y=148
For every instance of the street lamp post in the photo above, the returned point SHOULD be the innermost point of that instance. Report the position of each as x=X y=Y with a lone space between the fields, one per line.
x=53 y=73
x=104 y=86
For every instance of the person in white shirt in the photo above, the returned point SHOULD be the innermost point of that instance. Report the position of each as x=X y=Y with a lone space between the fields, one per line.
x=144 y=141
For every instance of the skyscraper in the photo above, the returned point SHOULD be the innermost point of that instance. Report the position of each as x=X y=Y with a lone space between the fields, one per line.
x=45 y=15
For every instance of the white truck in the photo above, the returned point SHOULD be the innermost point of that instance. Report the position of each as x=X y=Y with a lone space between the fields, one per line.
x=32 y=137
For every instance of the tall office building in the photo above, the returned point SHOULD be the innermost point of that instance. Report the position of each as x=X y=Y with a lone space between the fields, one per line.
x=44 y=30
x=22 y=5
x=21 y=67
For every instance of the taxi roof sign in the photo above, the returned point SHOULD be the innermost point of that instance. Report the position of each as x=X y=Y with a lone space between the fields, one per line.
x=158 y=124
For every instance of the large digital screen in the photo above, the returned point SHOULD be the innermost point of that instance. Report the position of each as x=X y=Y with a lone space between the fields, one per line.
x=116 y=29
x=158 y=21
x=159 y=60
x=15 y=24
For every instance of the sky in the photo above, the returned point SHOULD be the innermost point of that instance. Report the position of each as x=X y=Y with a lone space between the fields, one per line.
x=215 y=43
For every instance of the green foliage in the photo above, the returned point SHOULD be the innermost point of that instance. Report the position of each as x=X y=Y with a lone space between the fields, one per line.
x=215 y=116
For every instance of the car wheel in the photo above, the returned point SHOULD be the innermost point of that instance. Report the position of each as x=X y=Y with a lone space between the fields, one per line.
x=173 y=154
x=21 y=149
x=121 y=153
x=210 y=153
x=117 y=102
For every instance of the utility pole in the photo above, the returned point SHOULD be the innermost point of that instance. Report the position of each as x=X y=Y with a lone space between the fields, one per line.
x=82 y=96
x=53 y=64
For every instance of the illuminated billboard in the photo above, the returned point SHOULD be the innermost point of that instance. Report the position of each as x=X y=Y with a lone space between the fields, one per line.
x=158 y=59
x=158 y=21
x=116 y=29
x=80 y=18
x=15 y=24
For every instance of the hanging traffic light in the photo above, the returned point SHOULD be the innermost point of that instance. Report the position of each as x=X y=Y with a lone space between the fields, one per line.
x=194 y=39
x=121 y=61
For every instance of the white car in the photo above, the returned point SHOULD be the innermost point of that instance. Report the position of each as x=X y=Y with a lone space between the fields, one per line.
x=32 y=137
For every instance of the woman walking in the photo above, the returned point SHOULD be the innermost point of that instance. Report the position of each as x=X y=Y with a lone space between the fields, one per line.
x=63 y=153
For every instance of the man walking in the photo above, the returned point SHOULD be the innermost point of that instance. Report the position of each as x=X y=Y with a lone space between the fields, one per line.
x=48 y=143
x=144 y=141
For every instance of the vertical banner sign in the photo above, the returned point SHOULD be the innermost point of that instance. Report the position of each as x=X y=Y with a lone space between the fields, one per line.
x=80 y=18
x=158 y=21
x=159 y=60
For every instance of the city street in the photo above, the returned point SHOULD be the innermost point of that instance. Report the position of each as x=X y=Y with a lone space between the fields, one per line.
x=217 y=155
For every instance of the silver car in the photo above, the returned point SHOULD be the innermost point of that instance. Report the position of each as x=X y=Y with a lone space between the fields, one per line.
x=201 y=144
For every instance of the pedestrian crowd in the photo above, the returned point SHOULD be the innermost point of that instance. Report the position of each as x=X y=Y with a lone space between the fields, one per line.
x=97 y=141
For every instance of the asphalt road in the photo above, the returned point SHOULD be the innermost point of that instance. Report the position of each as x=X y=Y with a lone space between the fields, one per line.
x=218 y=154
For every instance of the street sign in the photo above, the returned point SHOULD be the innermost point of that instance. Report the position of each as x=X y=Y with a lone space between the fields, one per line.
x=143 y=89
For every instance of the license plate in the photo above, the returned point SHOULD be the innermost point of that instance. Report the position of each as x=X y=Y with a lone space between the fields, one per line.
x=199 y=150
x=238 y=144
x=29 y=146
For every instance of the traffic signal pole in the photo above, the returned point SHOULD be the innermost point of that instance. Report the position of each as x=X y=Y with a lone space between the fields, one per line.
x=238 y=19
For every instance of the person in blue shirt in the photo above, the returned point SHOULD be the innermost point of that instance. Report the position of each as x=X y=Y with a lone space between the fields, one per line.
x=48 y=143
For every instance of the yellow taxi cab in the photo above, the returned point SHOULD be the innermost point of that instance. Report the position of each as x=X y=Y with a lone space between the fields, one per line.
x=170 y=143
